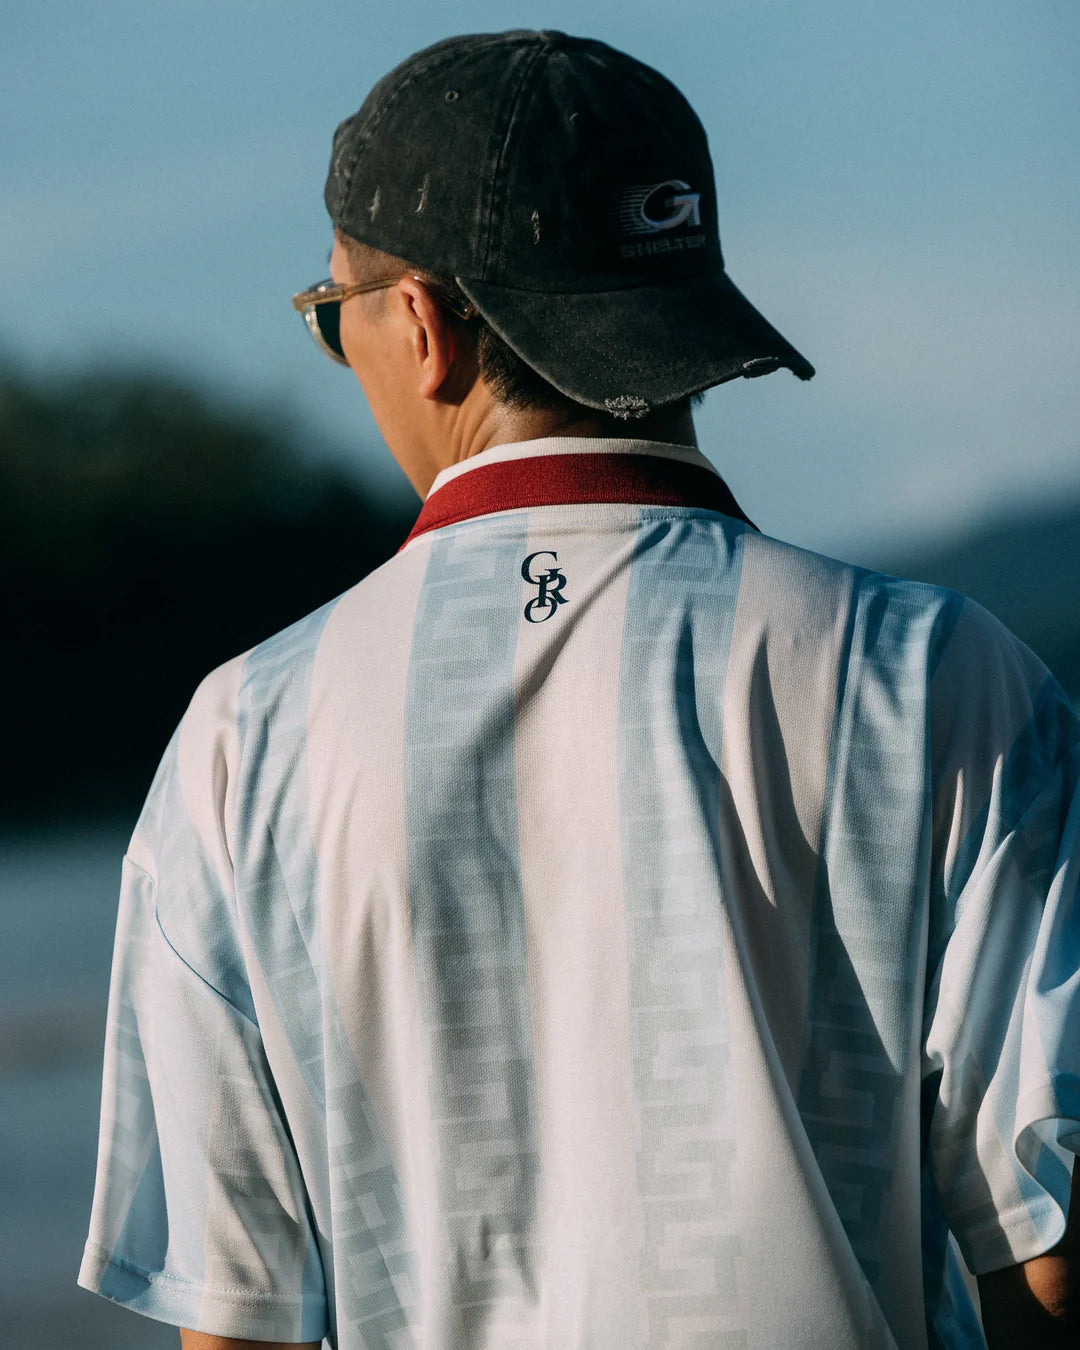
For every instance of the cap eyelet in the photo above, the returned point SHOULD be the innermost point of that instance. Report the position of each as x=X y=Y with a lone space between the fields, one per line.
x=451 y=96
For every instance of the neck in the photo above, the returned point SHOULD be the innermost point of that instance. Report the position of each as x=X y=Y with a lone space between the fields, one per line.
x=518 y=425
x=479 y=427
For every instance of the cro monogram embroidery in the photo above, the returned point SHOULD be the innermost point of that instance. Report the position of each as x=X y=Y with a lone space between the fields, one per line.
x=550 y=582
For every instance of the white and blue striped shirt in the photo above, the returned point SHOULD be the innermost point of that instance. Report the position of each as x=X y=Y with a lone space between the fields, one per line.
x=604 y=927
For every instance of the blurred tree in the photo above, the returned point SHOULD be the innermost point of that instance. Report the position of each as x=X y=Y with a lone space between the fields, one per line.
x=146 y=536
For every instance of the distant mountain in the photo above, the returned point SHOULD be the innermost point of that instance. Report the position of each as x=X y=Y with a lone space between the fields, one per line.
x=1026 y=570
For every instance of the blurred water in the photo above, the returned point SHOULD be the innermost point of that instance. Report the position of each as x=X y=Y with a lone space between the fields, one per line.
x=58 y=895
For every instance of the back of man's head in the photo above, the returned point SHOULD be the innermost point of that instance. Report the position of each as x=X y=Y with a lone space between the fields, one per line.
x=565 y=192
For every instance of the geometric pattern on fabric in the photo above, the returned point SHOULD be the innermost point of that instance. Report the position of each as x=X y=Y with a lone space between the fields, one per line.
x=278 y=877
x=868 y=912
x=468 y=925
x=680 y=609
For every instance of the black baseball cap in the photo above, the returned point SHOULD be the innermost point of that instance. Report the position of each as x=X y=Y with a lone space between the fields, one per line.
x=568 y=190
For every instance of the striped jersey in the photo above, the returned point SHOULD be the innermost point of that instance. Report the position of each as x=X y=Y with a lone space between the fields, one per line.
x=603 y=927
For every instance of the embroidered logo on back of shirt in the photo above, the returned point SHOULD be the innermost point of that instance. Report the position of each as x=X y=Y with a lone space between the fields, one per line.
x=550 y=582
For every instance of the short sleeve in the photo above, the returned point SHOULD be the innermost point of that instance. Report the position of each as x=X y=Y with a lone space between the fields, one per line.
x=200 y=1214
x=1002 y=1031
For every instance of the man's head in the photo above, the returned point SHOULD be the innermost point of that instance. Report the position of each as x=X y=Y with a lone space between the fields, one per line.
x=442 y=384
x=562 y=192
x=512 y=382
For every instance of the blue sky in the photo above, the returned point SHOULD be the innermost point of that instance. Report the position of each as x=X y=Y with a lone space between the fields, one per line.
x=899 y=192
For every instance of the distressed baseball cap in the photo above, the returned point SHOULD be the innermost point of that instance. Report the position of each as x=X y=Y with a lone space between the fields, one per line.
x=568 y=190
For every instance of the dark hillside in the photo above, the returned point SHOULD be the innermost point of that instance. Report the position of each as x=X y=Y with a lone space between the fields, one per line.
x=1024 y=569
x=145 y=537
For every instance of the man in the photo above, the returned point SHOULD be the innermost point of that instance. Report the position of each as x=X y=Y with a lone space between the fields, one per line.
x=603 y=926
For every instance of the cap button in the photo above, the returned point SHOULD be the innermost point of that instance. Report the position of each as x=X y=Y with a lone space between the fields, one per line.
x=551 y=35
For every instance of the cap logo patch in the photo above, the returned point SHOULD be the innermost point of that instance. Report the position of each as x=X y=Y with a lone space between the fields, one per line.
x=652 y=207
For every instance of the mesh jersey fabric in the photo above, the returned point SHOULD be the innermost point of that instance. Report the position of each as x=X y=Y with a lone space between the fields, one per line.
x=693 y=963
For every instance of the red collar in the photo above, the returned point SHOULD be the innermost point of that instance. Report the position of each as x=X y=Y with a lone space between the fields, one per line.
x=566 y=479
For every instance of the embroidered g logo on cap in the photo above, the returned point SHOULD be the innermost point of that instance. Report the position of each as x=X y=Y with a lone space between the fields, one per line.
x=652 y=207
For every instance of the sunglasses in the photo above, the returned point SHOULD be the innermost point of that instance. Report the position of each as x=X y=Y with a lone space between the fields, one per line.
x=321 y=307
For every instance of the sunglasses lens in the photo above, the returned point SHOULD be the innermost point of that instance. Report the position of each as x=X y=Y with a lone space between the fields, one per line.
x=328 y=320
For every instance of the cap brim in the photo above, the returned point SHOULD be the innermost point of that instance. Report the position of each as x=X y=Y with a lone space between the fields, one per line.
x=651 y=343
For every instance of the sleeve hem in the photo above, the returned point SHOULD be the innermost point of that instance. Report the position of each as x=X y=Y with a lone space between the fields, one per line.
x=167 y=1298
x=1013 y=1238
x=1055 y=1101
x=1034 y=1228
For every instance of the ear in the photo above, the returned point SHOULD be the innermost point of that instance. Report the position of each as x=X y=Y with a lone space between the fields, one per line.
x=445 y=363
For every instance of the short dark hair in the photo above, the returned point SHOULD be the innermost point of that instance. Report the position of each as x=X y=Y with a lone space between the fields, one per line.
x=512 y=381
